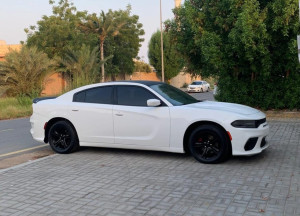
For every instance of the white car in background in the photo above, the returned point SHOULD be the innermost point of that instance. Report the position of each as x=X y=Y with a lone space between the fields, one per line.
x=148 y=115
x=198 y=86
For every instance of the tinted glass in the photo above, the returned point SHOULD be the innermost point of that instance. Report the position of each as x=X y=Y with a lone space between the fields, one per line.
x=101 y=95
x=196 y=83
x=173 y=95
x=79 y=97
x=133 y=96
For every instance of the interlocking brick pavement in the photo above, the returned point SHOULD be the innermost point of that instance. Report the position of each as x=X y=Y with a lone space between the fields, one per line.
x=97 y=181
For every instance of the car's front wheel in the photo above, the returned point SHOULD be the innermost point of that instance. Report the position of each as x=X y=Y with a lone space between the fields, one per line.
x=209 y=144
x=63 y=138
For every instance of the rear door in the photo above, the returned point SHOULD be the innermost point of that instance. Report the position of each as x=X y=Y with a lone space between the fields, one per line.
x=137 y=124
x=91 y=115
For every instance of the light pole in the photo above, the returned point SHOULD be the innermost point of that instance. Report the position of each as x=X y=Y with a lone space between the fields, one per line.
x=162 y=48
x=298 y=37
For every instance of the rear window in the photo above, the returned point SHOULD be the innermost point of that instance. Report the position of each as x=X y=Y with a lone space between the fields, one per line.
x=99 y=95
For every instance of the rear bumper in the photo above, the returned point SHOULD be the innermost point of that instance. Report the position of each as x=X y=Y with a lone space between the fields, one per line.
x=37 y=127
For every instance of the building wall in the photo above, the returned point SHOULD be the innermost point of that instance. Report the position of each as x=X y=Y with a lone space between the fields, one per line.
x=143 y=76
x=54 y=84
x=6 y=48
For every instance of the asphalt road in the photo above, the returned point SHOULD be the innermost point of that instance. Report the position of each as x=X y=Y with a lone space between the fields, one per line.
x=15 y=137
x=203 y=96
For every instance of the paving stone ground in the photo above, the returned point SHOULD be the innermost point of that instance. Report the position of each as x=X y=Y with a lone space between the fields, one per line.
x=96 y=181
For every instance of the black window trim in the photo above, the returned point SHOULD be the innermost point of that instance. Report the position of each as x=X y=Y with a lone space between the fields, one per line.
x=115 y=93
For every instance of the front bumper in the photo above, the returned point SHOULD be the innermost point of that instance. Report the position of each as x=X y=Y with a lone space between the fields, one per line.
x=240 y=137
x=193 y=90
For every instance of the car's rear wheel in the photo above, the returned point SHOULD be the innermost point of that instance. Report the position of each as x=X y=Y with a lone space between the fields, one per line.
x=209 y=144
x=62 y=138
x=208 y=89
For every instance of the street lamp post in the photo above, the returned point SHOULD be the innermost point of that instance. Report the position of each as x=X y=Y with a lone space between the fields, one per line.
x=298 y=37
x=162 y=47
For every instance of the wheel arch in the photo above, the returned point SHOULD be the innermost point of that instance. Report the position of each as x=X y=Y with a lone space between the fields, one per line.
x=194 y=125
x=53 y=121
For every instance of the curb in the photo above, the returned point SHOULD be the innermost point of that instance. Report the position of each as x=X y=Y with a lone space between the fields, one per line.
x=26 y=163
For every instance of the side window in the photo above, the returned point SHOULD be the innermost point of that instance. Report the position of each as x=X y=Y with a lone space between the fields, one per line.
x=133 y=96
x=79 y=97
x=100 y=95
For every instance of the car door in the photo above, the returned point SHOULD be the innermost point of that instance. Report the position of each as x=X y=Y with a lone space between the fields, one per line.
x=137 y=124
x=91 y=115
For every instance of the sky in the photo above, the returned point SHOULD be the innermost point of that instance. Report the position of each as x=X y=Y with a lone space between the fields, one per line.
x=16 y=15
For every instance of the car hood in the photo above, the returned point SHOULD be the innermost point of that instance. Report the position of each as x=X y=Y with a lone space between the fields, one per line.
x=227 y=107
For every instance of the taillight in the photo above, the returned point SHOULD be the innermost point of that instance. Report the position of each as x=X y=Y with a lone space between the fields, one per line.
x=45 y=125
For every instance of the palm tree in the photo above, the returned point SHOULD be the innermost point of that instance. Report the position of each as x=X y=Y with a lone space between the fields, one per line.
x=105 y=25
x=24 y=71
x=82 y=65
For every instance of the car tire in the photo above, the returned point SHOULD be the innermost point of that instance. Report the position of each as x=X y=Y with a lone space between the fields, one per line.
x=207 y=89
x=209 y=144
x=201 y=90
x=62 y=138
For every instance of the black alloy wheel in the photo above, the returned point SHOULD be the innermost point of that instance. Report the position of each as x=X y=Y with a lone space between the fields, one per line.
x=209 y=144
x=62 y=138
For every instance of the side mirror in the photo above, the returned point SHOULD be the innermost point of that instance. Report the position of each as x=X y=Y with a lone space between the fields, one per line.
x=153 y=103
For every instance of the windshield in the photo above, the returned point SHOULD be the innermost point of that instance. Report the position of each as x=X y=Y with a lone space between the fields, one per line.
x=173 y=95
x=196 y=83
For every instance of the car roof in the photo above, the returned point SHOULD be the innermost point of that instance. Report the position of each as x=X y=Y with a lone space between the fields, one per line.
x=144 y=82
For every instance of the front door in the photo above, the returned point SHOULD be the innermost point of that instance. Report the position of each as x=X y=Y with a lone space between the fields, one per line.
x=137 y=124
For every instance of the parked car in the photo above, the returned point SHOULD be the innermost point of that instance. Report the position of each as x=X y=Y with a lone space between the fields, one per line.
x=198 y=86
x=148 y=115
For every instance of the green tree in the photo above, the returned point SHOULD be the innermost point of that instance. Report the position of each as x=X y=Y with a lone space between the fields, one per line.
x=82 y=66
x=172 y=61
x=105 y=25
x=24 y=71
x=140 y=66
x=58 y=33
x=250 y=45
x=125 y=46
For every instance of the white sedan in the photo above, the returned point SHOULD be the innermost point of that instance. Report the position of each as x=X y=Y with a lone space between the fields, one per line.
x=150 y=116
x=198 y=86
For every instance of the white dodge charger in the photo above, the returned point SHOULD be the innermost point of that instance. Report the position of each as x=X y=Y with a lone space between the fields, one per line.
x=150 y=116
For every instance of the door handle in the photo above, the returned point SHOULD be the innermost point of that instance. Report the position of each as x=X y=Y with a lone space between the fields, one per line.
x=75 y=110
x=119 y=114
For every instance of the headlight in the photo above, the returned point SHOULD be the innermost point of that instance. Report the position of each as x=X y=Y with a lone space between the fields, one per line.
x=244 y=124
x=248 y=123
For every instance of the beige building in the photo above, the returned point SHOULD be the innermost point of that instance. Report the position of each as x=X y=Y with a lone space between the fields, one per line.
x=54 y=84
x=5 y=48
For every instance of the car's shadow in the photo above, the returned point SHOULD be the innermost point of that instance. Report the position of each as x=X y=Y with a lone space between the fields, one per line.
x=259 y=158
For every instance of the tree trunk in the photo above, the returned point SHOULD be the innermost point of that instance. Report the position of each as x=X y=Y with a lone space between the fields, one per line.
x=102 y=58
x=252 y=76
